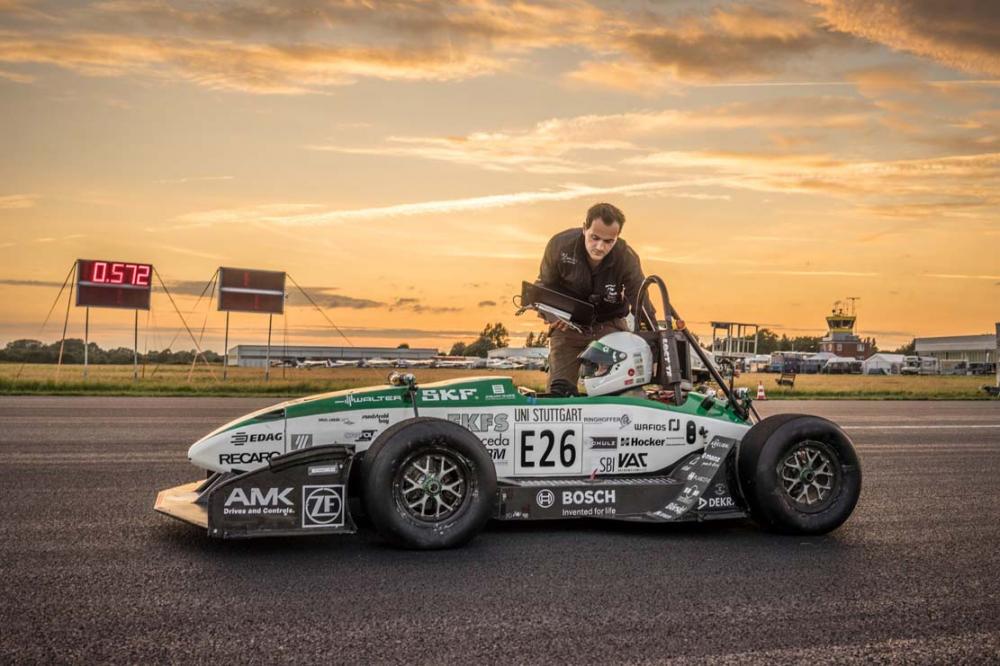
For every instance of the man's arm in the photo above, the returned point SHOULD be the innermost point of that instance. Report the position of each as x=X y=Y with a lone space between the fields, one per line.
x=548 y=272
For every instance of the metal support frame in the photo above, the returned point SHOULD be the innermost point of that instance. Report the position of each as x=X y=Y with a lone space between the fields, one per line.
x=267 y=354
x=86 y=340
x=135 y=349
x=225 y=350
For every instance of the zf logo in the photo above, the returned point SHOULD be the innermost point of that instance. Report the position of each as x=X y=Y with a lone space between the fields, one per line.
x=323 y=506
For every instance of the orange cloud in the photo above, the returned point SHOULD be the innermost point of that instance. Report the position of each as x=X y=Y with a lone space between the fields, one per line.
x=960 y=34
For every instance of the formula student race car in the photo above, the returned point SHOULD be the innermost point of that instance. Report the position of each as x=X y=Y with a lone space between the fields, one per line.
x=430 y=464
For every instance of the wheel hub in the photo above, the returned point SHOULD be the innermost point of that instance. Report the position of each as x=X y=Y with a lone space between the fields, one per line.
x=808 y=475
x=432 y=486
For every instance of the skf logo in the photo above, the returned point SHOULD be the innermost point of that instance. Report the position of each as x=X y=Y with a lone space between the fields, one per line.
x=258 y=497
x=435 y=395
x=323 y=506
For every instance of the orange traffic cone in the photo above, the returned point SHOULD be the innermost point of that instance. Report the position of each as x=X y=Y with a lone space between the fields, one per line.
x=760 y=391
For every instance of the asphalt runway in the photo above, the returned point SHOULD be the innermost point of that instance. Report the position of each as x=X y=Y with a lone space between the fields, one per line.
x=90 y=573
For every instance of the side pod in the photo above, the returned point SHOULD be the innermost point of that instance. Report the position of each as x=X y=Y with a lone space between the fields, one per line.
x=302 y=492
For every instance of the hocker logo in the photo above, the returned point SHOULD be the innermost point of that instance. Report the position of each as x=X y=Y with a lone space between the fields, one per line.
x=323 y=506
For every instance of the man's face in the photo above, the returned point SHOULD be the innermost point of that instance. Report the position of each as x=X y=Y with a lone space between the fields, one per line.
x=600 y=238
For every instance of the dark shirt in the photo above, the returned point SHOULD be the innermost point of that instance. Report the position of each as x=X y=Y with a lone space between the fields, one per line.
x=611 y=287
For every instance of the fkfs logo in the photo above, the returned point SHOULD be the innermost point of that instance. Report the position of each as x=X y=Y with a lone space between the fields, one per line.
x=442 y=395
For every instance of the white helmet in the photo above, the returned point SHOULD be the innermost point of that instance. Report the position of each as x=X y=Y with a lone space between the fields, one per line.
x=616 y=362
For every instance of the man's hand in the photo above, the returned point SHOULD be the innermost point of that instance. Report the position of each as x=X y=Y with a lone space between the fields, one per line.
x=560 y=325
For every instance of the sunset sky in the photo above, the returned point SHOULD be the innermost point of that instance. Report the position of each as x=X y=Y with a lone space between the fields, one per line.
x=407 y=161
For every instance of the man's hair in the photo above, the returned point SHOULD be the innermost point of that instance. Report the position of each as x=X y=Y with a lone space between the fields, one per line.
x=607 y=213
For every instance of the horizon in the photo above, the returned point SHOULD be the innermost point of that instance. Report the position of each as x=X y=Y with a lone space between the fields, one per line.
x=408 y=166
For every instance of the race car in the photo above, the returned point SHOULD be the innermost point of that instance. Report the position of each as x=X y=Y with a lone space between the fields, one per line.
x=430 y=464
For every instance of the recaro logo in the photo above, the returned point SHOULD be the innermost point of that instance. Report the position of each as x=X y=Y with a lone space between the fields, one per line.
x=436 y=395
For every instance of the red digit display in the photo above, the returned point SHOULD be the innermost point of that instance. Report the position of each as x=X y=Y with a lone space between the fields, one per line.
x=113 y=284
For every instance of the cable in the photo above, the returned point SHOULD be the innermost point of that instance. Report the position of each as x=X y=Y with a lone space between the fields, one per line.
x=201 y=335
x=51 y=310
x=196 y=345
x=330 y=321
x=62 y=341
x=196 y=304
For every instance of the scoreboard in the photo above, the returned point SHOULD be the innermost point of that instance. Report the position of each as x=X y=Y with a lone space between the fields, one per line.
x=113 y=284
x=245 y=290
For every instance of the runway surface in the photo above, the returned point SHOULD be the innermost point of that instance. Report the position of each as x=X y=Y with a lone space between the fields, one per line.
x=91 y=573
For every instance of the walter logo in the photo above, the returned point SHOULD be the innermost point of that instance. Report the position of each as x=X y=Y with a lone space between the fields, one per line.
x=322 y=506
x=443 y=395
x=545 y=498
x=297 y=442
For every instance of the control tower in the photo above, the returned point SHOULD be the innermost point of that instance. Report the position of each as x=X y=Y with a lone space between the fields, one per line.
x=841 y=338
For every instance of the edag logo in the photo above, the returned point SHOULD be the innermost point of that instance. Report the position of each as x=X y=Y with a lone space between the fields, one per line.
x=441 y=395
x=323 y=506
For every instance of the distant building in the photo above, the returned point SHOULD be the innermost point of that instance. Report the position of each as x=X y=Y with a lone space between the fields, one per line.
x=884 y=364
x=841 y=339
x=968 y=348
x=519 y=352
x=255 y=356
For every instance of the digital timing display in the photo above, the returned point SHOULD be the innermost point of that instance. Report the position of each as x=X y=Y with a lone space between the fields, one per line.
x=113 y=284
x=246 y=290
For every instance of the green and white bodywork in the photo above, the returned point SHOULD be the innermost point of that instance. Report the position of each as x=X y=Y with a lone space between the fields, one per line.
x=526 y=436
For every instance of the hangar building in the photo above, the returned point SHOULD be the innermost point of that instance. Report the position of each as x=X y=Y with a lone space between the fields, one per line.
x=254 y=356
x=969 y=348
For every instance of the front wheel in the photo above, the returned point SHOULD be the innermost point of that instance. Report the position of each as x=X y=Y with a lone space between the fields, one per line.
x=799 y=474
x=428 y=484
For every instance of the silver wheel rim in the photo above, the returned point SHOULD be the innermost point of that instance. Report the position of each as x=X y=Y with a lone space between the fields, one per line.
x=432 y=486
x=808 y=475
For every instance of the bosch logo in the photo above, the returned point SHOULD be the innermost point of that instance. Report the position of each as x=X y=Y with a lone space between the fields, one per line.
x=323 y=506
x=545 y=498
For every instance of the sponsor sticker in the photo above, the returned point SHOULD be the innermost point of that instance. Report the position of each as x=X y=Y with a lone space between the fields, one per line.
x=445 y=395
x=323 y=506
x=259 y=502
x=300 y=441
x=545 y=498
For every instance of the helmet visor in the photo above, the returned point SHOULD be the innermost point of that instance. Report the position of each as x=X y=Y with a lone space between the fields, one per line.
x=598 y=359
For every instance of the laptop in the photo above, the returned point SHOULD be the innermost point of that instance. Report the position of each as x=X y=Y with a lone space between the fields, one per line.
x=557 y=304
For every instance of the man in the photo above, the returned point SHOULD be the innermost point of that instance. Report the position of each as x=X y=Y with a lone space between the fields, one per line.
x=594 y=266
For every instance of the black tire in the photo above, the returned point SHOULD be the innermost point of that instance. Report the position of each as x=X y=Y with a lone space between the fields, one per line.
x=392 y=470
x=786 y=462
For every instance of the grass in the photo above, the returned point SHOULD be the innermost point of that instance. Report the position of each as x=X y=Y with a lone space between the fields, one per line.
x=43 y=379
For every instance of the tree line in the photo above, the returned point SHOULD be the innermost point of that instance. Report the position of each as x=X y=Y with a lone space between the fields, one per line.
x=36 y=351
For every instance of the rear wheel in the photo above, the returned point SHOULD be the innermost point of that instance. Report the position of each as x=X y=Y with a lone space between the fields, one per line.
x=799 y=474
x=428 y=484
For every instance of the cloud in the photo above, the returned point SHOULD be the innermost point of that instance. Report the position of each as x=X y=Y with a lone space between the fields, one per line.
x=961 y=34
x=589 y=143
x=14 y=201
x=737 y=41
x=958 y=276
x=812 y=273
x=245 y=67
x=487 y=304
x=437 y=207
x=29 y=283
x=414 y=305
x=191 y=179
